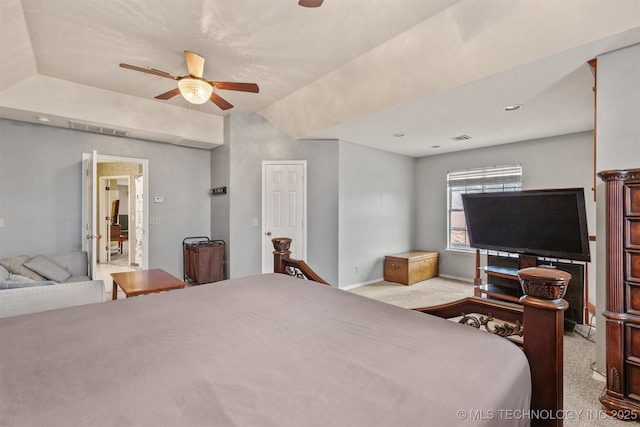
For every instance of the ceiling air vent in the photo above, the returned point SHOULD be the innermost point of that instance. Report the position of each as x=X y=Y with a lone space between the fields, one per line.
x=89 y=127
x=461 y=138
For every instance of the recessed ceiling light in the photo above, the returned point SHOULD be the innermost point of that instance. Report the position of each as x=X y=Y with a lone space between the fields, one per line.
x=43 y=119
x=435 y=146
x=460 y=137
x=398 y=134
x=512 y=107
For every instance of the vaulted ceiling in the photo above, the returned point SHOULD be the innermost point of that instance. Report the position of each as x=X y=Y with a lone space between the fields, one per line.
x=363 y=71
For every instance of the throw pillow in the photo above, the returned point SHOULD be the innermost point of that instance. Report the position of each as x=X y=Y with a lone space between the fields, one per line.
x=15 y=266
x=48 y=268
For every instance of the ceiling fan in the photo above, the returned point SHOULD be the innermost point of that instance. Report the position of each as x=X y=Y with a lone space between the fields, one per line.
x=193 y=87
x=310 y=3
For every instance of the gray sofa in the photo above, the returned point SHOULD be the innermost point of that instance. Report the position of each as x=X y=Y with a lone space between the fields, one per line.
x=30 y=284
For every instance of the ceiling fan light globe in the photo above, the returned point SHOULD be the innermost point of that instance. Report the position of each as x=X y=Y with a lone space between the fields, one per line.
x=195 y=91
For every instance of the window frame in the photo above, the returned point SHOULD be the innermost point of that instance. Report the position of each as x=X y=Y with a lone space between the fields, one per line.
x=477 y=180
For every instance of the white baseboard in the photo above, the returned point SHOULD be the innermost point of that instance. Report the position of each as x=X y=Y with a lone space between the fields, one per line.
x=598 y=376
x=357 y=285
x=462 y=279
x=444 y=276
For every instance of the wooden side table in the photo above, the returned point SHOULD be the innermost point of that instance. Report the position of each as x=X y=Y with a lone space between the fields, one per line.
x=142 y=282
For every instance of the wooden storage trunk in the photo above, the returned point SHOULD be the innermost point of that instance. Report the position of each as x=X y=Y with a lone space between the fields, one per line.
x=410 y=267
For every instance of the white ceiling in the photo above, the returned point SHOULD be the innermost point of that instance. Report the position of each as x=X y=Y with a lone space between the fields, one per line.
x=356 y=70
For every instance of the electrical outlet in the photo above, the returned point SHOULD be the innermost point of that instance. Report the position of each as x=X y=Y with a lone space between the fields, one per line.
x=155 y=220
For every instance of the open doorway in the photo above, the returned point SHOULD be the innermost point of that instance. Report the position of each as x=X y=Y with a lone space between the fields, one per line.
x=120 y=216
x=114 y=201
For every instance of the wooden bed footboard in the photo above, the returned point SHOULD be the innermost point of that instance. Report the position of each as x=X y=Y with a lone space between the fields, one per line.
x=293 y=267
x=539 y=321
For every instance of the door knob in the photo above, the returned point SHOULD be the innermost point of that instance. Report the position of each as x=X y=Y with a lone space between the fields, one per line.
x=268 y=233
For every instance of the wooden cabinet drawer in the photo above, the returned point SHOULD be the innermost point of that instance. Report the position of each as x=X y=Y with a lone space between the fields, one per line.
x=632 y=338
x=632 y=199
x=632 y=233
x=633 y=381
x=410 y=267
x=633 y=299
x=632 y=266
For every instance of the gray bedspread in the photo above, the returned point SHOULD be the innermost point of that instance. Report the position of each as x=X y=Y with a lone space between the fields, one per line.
x=267 y=350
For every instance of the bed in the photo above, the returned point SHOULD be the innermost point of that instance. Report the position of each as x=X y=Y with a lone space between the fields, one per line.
x=271 y=350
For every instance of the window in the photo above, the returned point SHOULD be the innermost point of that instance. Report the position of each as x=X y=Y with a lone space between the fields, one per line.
x=496 y=178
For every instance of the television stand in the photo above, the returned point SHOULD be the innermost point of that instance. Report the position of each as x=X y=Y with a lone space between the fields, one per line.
x=502 y=280
x=505 y=292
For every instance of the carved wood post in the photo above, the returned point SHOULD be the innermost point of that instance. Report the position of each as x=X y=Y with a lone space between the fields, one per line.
x=281 y=251
x=477 y=280
x=615 y=310
x=543 y=309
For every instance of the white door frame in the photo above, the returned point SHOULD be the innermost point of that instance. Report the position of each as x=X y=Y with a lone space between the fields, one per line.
x=267 y=239
x=101 y=158
x=89 y=207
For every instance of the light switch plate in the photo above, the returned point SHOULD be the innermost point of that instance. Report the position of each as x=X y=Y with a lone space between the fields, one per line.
x=155 y=220
x=1 y=222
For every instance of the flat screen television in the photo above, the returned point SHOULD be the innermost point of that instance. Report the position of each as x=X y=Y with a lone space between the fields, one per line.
x=545 y=223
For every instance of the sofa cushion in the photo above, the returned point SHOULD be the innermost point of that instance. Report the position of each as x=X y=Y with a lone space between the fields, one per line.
x=4 y=273
x=48 y=268
x=77 y=278
x=15 y=266
x=16 y=281
x=18 y=278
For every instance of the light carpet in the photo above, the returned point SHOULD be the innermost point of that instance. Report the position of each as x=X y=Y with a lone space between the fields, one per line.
x=581 y=389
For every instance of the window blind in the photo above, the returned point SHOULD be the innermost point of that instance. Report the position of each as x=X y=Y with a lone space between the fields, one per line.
x=510 y=174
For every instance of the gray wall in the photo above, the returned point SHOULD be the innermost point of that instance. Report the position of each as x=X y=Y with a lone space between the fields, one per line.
x=360 y=203
x=376 y=211
x=618 y=109
x=557 y=162
x=40 y=195
x=220 y=209
x=41 y=186
x=251 y=140
x=618 y=147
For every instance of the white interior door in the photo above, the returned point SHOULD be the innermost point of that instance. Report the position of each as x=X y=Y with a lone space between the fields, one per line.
x=89 y=202
x=284 y=208
x=136 y=223
x=108 y=193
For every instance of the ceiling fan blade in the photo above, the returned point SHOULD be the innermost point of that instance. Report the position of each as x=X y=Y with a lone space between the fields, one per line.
x=220 y=102
x=243 y=87
x=168 y=95
x=310 y=3
x=195 y=63
x=149 y=71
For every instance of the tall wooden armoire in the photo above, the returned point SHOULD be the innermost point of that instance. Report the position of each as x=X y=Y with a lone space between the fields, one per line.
x=622 y=306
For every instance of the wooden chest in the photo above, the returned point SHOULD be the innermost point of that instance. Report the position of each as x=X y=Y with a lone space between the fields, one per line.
x=410 y=267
